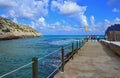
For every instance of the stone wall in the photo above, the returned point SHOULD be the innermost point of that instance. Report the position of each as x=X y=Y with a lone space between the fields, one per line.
x=111 y=45
x=114 y=36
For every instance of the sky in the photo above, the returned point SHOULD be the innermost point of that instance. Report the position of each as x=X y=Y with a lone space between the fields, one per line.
x=63 y=17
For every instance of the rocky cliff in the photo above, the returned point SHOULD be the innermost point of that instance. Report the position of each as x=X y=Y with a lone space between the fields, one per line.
x=11 y=30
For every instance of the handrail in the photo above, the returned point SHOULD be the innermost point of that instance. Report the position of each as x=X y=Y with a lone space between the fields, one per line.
x=52 y=52
x=54 y=70
x=29 y=63
x=67 y=46
x=49 y=54
x=70 y=56
x=15 y=70
x=26 y=65
x=66 y=59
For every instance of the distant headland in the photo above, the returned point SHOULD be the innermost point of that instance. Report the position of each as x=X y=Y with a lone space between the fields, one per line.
x=10 y=30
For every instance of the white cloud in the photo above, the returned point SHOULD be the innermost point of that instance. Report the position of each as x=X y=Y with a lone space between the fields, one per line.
x=106 y=24
x=71 y=9
x=59 y=28
x=29 y=9
x=12 y=13
x=39 y=24
x=69 y=28
x=56 y=24
x=41 y=21
x=55 y=28
x=117 y=20
x=92 y=19
x=6 y=4
x=54 y=5
x=15 y=20
x=115 y=10
x=33 y=25
x=83 y=20
x=74 y=0
x=101 y=27
x=107 y=21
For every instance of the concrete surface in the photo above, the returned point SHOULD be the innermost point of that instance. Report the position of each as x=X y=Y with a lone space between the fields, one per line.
x=92 y=61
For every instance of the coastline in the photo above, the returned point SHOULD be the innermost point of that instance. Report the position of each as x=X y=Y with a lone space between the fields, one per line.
x=11 y=30
x=10 y=36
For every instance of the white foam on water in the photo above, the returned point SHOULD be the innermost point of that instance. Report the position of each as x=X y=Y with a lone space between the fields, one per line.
x=62 y=42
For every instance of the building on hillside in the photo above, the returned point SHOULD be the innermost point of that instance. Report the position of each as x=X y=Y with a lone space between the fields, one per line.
x=113 y=33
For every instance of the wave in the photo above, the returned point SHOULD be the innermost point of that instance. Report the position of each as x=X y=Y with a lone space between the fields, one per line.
x=61 y=42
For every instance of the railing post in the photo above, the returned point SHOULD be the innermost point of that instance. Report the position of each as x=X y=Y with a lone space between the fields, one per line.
x=82 y=42
x=72 y=48
x=62 y=67
x=35 y=67
x=76 y=45
x=79 y=44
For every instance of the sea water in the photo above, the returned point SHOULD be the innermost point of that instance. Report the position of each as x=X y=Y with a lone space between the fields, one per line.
x=18 y=52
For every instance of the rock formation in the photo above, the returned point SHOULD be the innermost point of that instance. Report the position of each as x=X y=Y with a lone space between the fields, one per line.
x=11 y=30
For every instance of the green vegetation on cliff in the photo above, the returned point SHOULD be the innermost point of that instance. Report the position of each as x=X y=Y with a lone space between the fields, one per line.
x=11 y=30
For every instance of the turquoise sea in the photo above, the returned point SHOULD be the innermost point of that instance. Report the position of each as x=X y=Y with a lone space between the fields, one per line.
x=18 y=52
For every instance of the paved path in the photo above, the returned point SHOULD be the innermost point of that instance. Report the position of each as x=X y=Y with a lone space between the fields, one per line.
x=92 y=61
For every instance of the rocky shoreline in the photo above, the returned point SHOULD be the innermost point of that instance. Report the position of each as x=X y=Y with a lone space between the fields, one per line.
x=10 y=30
x=9 y=36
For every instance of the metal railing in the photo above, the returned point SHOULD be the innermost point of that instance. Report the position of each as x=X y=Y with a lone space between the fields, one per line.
x=64 y=60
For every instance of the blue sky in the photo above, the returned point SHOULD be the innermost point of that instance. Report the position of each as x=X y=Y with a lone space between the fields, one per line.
x=63 y=17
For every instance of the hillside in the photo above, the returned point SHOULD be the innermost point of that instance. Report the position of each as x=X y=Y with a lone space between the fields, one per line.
x=11 y=30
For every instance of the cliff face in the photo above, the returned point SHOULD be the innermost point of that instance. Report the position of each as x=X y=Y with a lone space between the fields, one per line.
x=11 y=30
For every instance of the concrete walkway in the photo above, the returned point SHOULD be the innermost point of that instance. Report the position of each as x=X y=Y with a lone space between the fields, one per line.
x=92 y=61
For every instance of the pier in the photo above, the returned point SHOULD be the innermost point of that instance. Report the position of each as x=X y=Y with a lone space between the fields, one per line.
x=93 y=60
x=89 y=59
